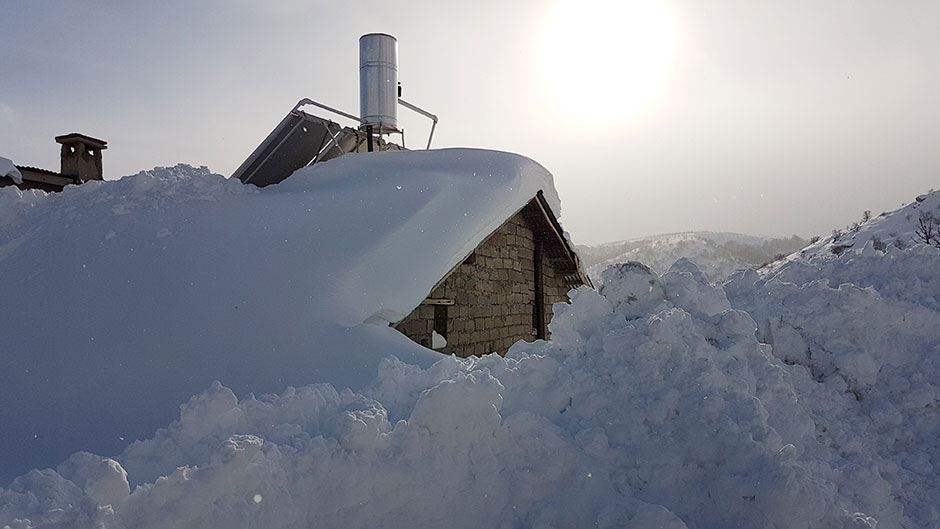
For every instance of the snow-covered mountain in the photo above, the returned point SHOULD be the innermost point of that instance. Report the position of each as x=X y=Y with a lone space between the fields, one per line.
x=716 y=254
x=917 y=223
x=805 y=395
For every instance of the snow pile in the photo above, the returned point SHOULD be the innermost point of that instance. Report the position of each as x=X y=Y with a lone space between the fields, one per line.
x=674 y=416
x=9 y=170
x=864 y=346
x=717 y=255
x=125 y=298
x=788 y=399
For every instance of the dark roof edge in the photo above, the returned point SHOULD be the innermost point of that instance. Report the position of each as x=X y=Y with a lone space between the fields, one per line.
x=37 y=170
x=559 y=233
x=26 y=169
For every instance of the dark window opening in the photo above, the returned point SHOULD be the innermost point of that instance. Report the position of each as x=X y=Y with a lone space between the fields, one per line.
x=538 y=306
x=440 y=322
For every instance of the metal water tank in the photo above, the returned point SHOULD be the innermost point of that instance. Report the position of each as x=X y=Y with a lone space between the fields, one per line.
x=378 y=82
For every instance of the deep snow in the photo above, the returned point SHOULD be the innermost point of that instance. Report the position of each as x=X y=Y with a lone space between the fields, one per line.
x=124 y=298
x=784 y=400
x=669 y=417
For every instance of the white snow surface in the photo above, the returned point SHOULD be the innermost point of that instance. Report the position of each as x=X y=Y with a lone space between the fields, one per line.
x=8 y=169
x=782 y=400
x=860 y=331
x=124 y=298
x=675 y=418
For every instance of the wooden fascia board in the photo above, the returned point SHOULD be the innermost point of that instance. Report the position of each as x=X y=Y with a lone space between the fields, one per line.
x=554 y=227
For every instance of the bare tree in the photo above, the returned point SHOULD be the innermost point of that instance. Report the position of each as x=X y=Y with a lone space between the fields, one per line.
x=927 y=230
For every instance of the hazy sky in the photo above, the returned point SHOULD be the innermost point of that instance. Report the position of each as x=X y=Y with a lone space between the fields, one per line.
x=774 y=118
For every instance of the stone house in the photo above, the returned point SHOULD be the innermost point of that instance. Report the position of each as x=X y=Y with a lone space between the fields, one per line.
x=80 y=162
x=503 y=291
x=500 y=293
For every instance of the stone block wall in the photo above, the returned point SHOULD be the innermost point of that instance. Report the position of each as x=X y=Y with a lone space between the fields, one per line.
x=493 y=293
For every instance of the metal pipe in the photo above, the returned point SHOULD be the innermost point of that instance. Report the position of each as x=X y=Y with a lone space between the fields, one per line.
x=306 y=101
x=431 y=135
x=424 y=113
x=334 y=140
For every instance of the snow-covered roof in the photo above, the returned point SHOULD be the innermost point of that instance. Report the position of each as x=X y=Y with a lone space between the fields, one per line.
x=9 y=170
x=159 y=283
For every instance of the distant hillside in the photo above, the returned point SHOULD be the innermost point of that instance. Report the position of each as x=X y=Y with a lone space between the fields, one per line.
x=917 y=223
x=716 y=254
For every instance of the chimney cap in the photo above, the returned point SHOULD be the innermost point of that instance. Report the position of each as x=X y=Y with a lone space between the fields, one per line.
x=74 y=137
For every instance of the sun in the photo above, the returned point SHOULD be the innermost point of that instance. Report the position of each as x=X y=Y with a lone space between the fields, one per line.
x=607 y=60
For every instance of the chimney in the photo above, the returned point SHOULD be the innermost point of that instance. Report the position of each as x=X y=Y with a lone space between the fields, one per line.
x=81 y=156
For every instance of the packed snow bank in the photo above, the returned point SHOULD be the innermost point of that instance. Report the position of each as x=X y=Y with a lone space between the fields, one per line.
x=673 y=416
x=861 y=332
x=124 y=298
x=9 y=170
x=857 y=317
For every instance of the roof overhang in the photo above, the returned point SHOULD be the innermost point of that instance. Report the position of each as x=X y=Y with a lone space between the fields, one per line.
x=558 y=250
x=34 y=175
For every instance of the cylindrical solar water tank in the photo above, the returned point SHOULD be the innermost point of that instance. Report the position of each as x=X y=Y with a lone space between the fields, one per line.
x=378 y=82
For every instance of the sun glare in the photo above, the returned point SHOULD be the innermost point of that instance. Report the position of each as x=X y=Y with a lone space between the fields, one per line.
x=608 y=60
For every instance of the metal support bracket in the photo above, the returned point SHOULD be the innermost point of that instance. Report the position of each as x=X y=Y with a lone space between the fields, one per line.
x=306 y=101
x=424 y=113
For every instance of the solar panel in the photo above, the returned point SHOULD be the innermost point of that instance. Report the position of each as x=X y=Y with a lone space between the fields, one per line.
x=298 y=140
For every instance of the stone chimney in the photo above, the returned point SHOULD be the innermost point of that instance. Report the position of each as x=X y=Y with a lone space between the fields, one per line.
x=81 y=156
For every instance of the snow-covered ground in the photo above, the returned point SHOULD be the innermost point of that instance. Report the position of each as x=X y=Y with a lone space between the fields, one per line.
x=785 y=400
x=717 y=255
x=900 y=228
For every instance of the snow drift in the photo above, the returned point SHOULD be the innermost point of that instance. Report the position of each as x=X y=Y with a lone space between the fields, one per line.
x=860 y=329
x=676 y=417
x=782 y=400
x=122 y=299
x=654 y=405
